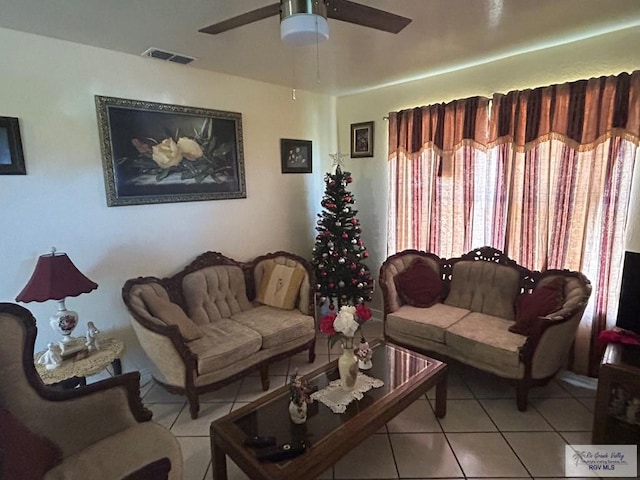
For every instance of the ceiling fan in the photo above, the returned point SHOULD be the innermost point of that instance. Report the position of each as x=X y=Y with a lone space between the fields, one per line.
x=305 y=21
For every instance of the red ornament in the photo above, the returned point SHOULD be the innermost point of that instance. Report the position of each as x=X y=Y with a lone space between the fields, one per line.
x=354 y=281
x=354 y=221
x=365 y=254
x=323 y=274
x=345 y=235
x=331 y=306
x=350 y=179
x=347 y=198
x=360 y=242
x=330 y=285
x=353 y=266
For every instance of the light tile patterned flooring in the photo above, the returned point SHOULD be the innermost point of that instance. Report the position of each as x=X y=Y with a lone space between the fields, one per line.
x=482 y=436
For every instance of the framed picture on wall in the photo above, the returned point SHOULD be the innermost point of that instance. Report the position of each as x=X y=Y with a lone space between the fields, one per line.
x=158 y=153
x=295 y=156
x=11 y=157
x=362 y=139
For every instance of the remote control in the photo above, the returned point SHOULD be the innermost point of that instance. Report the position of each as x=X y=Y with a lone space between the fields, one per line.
x=281 y=452
x=260 y=442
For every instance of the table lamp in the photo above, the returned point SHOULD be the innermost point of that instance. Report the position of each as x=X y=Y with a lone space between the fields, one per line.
x=55 y=278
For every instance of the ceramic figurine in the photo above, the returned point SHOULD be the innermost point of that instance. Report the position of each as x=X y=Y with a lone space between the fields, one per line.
x=92 y=337
x=618 y=402
x=633 y=409
x=364 y=354
x=52 y=357
x=299 y=396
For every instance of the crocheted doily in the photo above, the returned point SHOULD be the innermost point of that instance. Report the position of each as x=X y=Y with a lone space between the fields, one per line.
x=337 y=399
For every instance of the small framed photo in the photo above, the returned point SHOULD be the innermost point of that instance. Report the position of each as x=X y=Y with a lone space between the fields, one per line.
x=295 y=155
x=362 y=139
x=11 y=157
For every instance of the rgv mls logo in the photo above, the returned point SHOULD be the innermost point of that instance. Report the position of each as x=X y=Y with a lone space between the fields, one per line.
x=601 y=460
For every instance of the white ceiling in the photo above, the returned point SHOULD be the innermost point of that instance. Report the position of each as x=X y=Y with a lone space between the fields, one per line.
x=444 y=35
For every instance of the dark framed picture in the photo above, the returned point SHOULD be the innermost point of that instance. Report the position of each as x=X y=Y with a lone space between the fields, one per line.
x=295 y=155
x=362 y=139
x=11 y=157
x=158 y=153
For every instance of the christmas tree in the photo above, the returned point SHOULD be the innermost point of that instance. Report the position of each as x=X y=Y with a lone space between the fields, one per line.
x=338 y=252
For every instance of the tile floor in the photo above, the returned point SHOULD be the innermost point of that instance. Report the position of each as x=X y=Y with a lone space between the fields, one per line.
x=482 y=436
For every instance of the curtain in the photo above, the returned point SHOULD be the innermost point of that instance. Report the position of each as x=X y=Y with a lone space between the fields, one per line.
x=437 y=166
x=543 y=175
x=570 y=151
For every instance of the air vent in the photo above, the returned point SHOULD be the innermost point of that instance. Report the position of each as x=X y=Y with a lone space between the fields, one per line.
x=168 y=56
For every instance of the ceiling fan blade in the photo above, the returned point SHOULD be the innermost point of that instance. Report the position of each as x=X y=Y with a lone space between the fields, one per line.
x=244 y=19
x=359 y=14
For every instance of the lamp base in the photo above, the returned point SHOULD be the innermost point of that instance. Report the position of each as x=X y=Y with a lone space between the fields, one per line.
x=71 y=347
x=64 y=321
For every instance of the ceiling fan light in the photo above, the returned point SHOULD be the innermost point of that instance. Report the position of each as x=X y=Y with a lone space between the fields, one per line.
x=304 y=29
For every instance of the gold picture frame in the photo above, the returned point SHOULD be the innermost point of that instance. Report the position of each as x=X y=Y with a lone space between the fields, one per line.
x=158 y=153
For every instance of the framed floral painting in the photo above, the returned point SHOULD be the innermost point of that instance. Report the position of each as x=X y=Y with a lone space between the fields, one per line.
x=157 y=153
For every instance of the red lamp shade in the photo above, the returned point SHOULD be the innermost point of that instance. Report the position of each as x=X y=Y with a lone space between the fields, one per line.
x=55 y=278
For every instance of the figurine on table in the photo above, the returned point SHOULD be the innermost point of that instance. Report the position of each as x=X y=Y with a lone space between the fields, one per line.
x=364 y=354
x=299 y=394
x=618 y=404
x=52 y=357
x=92 y=337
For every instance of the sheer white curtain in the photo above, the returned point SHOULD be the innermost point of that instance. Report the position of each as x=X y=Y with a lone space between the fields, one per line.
x=438 y=170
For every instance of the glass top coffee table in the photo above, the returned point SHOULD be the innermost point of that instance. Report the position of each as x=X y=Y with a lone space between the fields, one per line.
x=328 y=436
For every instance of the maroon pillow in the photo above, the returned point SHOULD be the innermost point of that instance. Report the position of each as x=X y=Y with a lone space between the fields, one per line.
x=23 y=454
x=419 y=285
x=542 y=301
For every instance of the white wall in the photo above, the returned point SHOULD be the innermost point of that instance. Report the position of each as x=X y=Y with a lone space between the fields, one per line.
x=50 y=86
x=604 y=55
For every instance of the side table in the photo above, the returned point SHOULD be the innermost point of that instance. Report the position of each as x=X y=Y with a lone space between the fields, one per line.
x=617 y=416
x=109 y=354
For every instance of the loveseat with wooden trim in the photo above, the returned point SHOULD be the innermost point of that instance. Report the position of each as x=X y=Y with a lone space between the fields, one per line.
x=219 y=319
x=470 y=319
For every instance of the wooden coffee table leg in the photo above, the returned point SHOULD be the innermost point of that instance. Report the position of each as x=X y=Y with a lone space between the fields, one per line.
x=218 y=462
x=441 y=397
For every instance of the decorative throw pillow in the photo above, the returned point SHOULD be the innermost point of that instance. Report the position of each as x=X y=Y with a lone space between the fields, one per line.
x=542 y=301
x=171 y=314
x=419 y=285
x=280 y=286
x=23 y=454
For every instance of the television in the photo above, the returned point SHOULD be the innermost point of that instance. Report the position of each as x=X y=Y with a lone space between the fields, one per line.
x=629 y=303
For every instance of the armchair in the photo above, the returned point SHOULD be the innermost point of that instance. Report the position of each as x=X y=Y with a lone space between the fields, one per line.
x=98 y=431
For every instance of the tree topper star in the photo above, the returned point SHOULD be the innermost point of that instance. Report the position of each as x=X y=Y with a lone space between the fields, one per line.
x=338 y=158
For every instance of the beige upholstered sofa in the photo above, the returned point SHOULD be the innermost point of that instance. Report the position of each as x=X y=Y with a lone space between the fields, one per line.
x=219 y=318
x=99 y=431
x=484 y=294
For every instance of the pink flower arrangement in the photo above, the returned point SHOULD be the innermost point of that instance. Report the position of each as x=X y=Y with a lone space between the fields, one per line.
x=344 y=324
